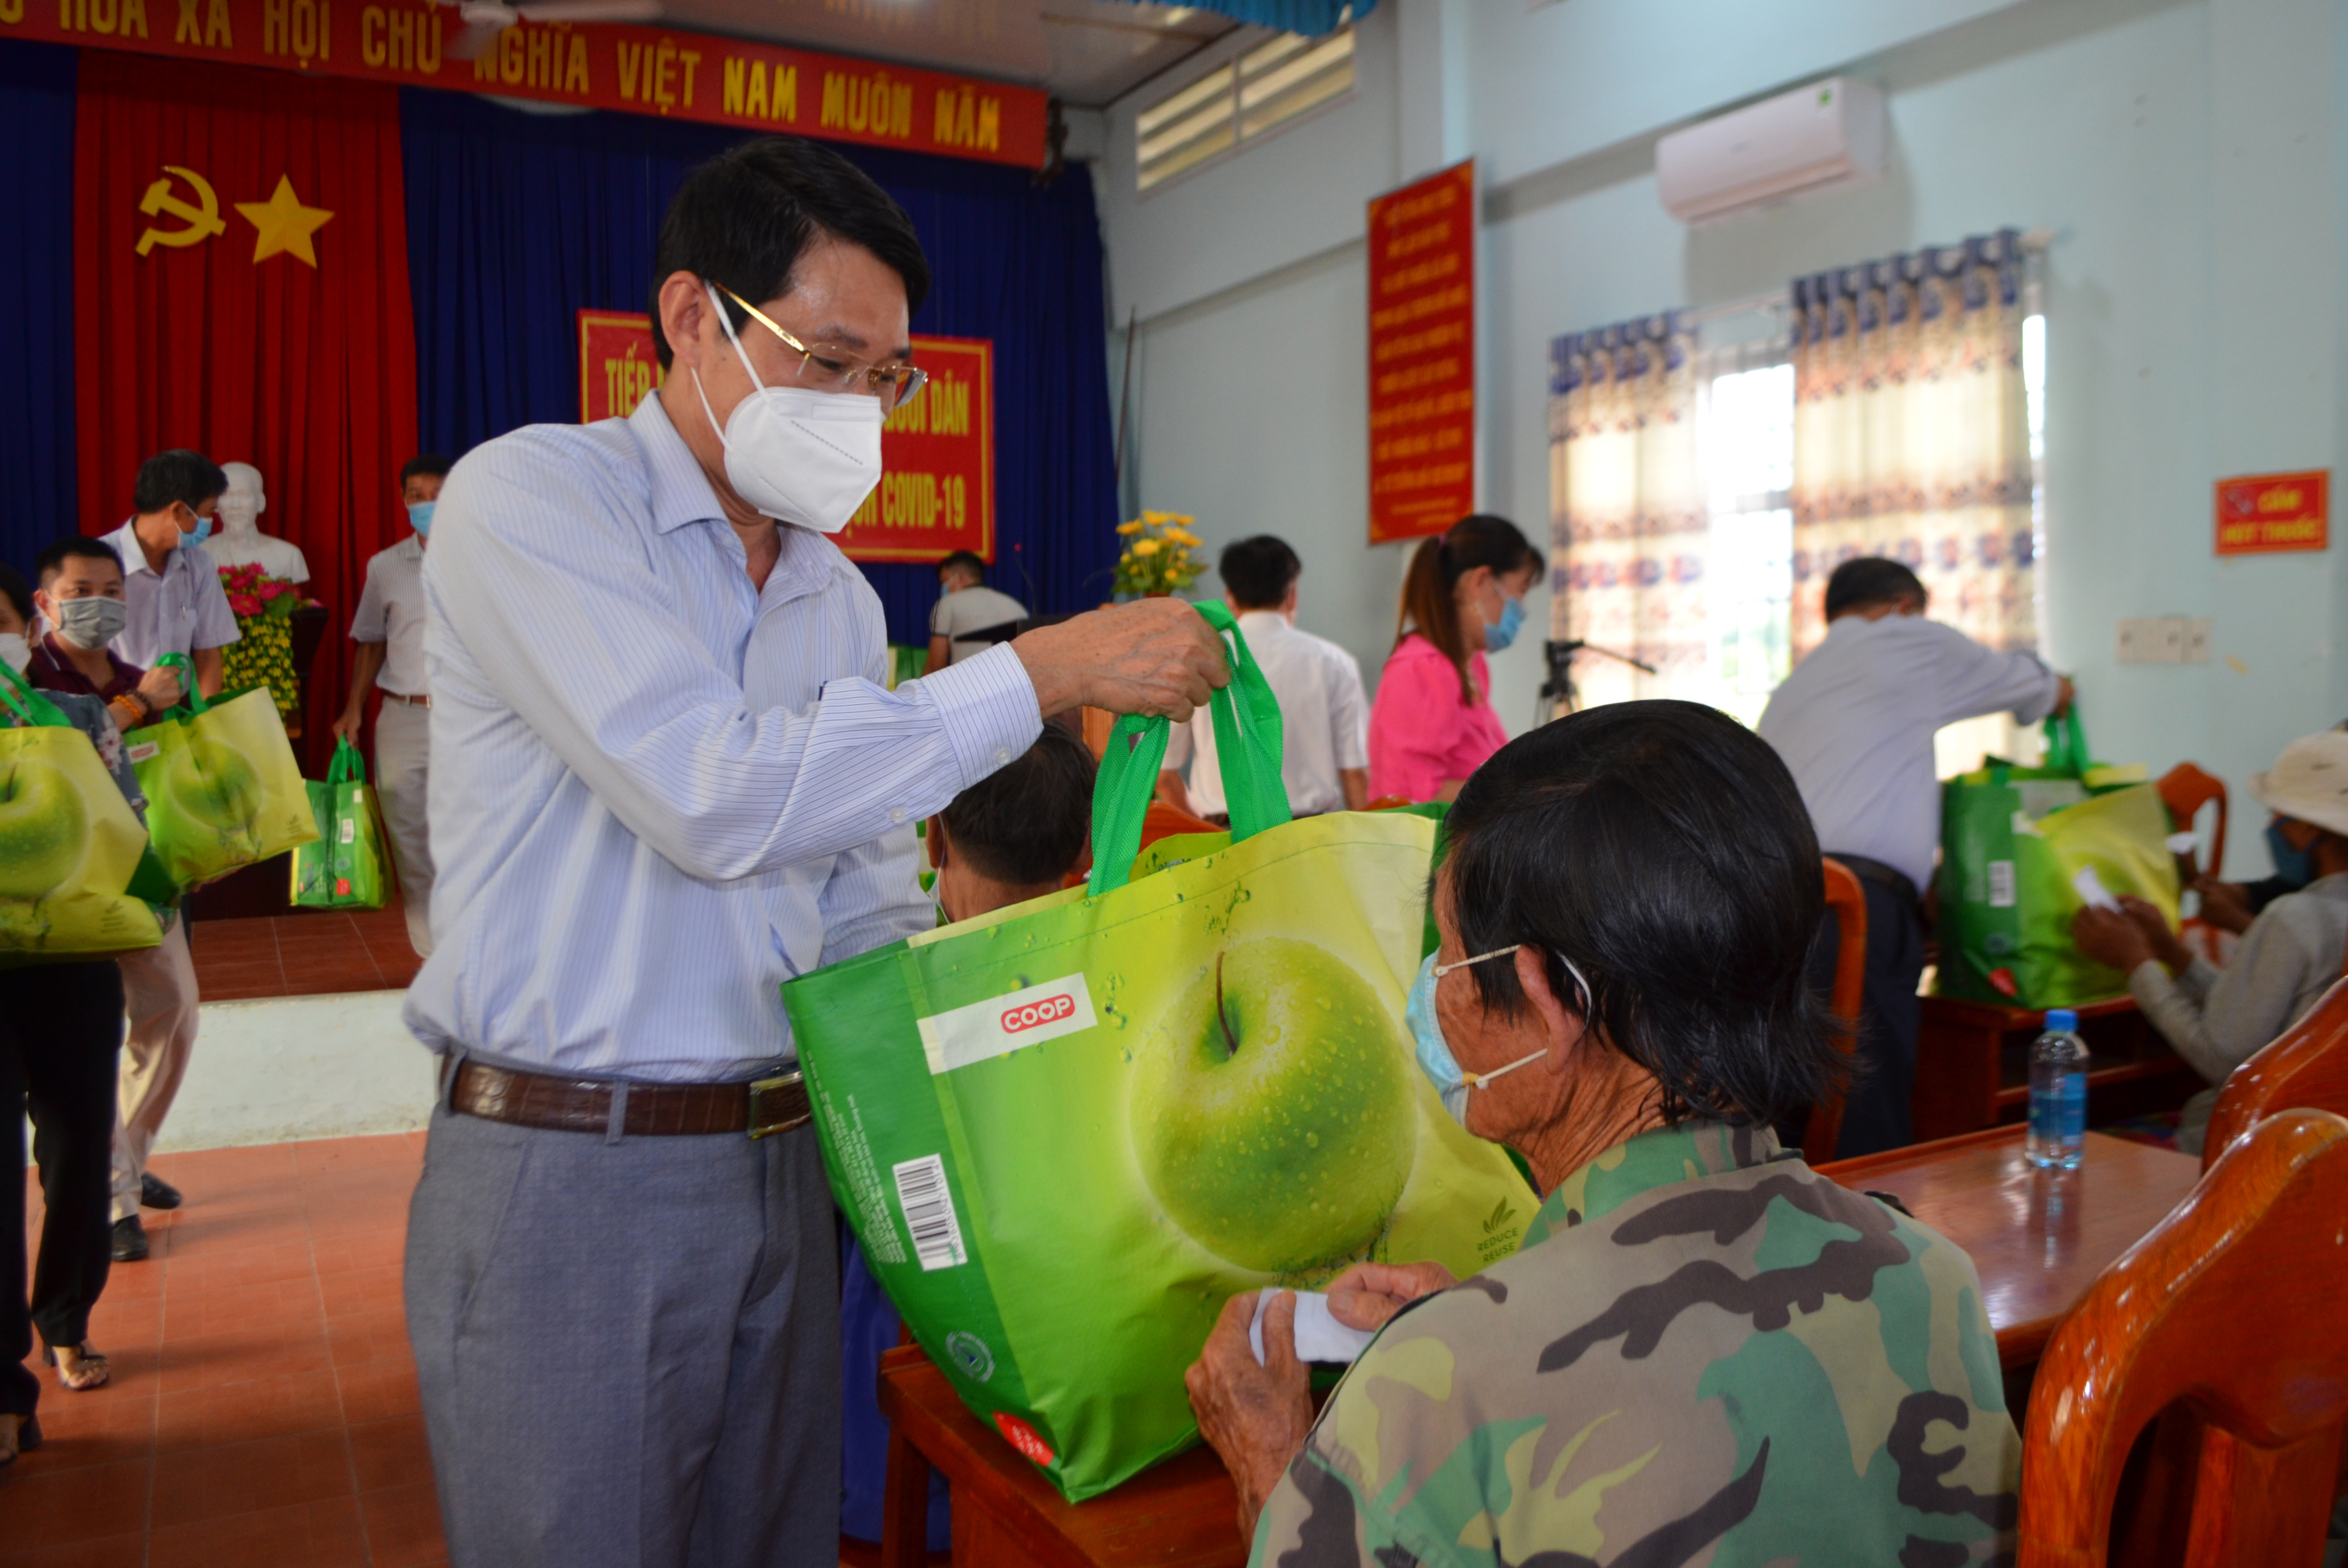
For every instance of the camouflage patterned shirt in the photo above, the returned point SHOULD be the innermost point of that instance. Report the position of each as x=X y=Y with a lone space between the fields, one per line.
x=1704 y=1354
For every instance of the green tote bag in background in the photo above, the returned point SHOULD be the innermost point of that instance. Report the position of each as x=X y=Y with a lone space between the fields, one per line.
x=223 y=789
x=2013 y=841
x=71 y=849
x=1067 y=1132
x=345 y=867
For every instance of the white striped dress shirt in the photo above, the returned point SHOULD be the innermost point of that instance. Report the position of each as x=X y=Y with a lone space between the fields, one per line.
x=657 y=791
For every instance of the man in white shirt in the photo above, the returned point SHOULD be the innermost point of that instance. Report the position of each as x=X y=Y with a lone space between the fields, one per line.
x=1324 y=718
x=966 y=604
x=668 y=775
x=175 y=605
x=1854 y=723
x=390 y=630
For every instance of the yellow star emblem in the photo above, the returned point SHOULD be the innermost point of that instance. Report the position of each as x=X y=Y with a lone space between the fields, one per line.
x=285 y=223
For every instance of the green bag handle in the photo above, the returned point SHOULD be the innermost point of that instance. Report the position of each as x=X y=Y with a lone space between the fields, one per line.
x=2066 y=743
x=1248 y=751
x=29 y=705
x=349 y=767
x=191 y=701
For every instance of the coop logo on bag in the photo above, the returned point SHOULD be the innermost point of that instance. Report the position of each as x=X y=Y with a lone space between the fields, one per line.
x=1001 y=1025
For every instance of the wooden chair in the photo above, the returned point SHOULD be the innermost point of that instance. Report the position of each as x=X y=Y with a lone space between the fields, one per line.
x=1848 y=901
x=2185 y=790
x=2259 y=1243
x=2306 y=1066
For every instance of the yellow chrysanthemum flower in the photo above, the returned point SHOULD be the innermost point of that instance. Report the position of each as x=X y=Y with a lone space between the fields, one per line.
x=1145 y=547
x=1133 y=527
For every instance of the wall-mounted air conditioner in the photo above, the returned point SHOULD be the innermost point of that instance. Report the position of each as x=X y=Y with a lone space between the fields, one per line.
x=1828 y=134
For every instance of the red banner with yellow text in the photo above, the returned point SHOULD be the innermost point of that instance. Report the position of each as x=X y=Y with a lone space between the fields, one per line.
x=1422 y=249
x=597 y=64
x=936 y=493
x=2271 y=514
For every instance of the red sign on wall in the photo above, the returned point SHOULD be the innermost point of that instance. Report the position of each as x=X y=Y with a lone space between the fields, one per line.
x=1422 y=241
x=936 y=493
x=613 y=65
x=2266 y=514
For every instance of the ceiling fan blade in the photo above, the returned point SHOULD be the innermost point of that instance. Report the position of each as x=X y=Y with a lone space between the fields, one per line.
x=476 y=39
x=592 y=11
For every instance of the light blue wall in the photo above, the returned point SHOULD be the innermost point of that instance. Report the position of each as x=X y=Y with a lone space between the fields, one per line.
x=2185 y=153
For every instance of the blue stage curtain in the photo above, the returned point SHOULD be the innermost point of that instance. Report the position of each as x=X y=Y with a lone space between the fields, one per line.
x=517 y=221
x=36 y=316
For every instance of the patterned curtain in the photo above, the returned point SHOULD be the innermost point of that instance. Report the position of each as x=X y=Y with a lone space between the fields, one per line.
x=1911 y=435
x=1629 y=527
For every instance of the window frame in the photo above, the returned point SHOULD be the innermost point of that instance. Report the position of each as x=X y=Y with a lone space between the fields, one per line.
x=1231 y=58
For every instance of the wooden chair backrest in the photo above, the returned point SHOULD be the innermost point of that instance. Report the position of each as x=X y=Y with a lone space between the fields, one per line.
x=2262 y=1240
x=1848 y=899
x=2185 y=790
x=2306 y=1065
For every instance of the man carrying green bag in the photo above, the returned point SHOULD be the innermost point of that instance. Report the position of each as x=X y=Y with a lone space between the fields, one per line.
x=1066 y=1132
x=223 y=789
x=2023 y=850
x=344 y=867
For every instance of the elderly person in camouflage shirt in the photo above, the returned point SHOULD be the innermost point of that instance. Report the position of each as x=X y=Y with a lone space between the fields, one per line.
x=1704 y=1353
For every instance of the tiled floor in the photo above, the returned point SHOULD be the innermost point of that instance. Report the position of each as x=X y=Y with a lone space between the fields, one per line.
x=263 y=1407
x=313 y=953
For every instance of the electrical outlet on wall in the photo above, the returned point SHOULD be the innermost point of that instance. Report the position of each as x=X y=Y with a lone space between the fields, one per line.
x=2168 y=639
x=2132 y=641
x=2165 y=640
x=2197 y=640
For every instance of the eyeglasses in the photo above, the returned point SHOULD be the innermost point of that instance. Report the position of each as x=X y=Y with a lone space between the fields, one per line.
x=828 y=369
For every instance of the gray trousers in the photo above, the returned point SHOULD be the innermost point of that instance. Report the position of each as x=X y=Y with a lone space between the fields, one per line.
x=629 y=1352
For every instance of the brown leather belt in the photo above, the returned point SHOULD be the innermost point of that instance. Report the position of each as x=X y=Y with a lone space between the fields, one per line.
x=653 y=1110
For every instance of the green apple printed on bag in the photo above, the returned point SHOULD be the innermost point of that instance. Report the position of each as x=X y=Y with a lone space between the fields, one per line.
x=1068 y=1132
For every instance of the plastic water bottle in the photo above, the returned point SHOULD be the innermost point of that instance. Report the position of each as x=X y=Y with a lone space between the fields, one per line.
x=2058 y=1094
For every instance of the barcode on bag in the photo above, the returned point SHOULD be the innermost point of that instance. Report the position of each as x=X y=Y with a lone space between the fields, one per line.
x=2001 y=884
x=922 y=1194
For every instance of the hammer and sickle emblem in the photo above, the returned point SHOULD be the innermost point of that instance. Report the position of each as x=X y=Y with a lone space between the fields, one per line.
x=203 y=221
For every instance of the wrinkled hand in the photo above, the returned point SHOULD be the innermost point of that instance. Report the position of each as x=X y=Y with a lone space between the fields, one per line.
x=1154 y=656
x=2066 y=693
x=2109 y=936
x=2164 y=942
x=161 y=687
x=2224 y=904
x=1254 y=1417
x=1367 y=1295
x=347 y=727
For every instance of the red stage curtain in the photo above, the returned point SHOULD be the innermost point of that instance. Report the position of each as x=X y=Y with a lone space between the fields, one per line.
x=307 y=372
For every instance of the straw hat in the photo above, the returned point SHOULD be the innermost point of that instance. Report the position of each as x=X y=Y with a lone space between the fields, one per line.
x=2309 y=782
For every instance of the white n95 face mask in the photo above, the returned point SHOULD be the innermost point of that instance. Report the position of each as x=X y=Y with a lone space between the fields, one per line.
x=802 y=457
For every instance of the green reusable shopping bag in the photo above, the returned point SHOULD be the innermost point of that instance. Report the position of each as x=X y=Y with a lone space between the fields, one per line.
x=1067 y=1132
x=221 y=786
x=71 y=849
x=2012 y=842
x=345 y=867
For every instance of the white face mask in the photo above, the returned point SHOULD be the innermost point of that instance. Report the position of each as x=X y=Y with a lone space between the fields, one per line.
x=802 y=457
x=15 y=652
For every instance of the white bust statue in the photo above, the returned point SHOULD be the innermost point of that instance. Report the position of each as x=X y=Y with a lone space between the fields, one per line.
x=239 y=541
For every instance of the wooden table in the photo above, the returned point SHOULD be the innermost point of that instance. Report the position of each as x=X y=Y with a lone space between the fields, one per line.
x=1972 y=1065
x=2037 y=1237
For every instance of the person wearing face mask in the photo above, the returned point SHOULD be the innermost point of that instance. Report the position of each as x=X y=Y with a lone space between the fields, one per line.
x=966 y=607
x=668 y=776
x=1433 y=724
x=80 y=597
x=171 y=587
x=390 y=630
x=2218 y=1018
x=2231 y=906
x=1621 y=995
x=60 y=1031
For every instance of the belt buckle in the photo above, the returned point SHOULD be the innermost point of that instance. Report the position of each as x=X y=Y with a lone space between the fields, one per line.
x=768 y=1112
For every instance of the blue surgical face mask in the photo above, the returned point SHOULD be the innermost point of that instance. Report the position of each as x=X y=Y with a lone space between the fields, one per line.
x=1434 y=1059
x=203 y=531
x=419 y=516
x=2295 y=865
x=1504 y=632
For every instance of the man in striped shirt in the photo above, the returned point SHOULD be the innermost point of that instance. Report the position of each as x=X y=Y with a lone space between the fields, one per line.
x=668 y=775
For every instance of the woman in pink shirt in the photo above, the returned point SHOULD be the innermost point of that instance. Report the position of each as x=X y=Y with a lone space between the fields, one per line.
x=1433 y=723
